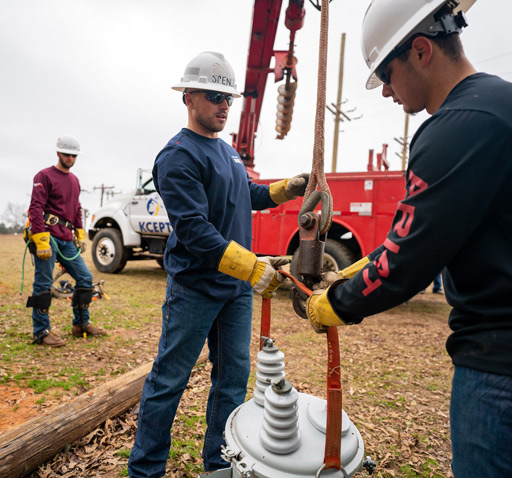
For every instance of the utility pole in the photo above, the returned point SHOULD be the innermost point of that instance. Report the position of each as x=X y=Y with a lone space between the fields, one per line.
x=336 y=107
x=103 y=188
x=404 y=142
x=338 y=103
x=111 y=194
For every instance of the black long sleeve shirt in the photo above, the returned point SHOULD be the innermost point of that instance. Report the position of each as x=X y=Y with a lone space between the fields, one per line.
x=457 y=217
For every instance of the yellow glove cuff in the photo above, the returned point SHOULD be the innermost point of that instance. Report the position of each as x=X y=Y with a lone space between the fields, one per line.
x=320 y=311
x=237 y=261
x=353 y=269
x=278 y=191
x=42 y=240
x=263 y=279
x=80 y=234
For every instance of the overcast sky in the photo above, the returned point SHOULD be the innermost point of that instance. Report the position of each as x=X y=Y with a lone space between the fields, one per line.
x=102 y=70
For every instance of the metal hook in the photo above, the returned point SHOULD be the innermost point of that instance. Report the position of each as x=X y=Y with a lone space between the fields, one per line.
x=309 y=206
x=322 y=468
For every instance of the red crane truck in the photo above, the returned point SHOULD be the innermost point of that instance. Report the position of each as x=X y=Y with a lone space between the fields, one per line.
x=364 y=203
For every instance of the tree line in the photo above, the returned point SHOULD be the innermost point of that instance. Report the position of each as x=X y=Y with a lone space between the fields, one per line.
x=13 y=218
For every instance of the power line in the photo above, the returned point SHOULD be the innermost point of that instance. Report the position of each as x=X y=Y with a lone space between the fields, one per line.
x=103 y=189
x=494 y=57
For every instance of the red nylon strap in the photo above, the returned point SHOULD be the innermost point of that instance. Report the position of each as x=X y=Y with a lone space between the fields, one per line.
x=332 y=458
x=296 y=281
x=265 y=319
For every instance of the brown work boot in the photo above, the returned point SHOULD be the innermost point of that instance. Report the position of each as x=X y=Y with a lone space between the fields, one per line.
x=77 y=330
x=52 y=340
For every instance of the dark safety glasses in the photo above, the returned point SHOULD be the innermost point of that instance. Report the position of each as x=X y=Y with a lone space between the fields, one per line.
x=383 y=72
x=66 y=154
x=215 y=97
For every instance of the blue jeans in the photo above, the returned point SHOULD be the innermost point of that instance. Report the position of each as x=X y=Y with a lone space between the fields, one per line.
x=188 y=319
x=43 y=279
x=438 y=285
x=481 y=424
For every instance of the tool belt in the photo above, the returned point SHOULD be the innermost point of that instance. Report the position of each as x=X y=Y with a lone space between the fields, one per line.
x=52 y=220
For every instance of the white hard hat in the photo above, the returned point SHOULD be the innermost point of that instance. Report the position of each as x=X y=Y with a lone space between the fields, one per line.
x=387 y=24
x=209 y=71
x=68 y=144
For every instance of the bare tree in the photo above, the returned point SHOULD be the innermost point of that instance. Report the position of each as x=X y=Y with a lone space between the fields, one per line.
x=15 y=215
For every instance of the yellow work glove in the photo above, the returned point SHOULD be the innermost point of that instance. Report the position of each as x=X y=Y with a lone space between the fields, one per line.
x=289 y=189
x=80 y=240
x=27 y=233
x=320 y=313
x=42 y=242
x=242 y=264
x=329 y=277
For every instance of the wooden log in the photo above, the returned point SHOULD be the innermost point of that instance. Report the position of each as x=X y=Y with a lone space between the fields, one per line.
x=25 y=447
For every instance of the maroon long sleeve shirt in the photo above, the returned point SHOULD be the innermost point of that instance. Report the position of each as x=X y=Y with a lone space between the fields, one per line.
x=56 y=193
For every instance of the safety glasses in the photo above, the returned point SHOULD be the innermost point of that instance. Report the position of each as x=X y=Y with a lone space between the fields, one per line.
x=66 y=154
x=215 y=97
x=383 y=72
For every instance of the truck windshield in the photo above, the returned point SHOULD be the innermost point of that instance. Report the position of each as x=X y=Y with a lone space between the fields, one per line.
x=149 y=187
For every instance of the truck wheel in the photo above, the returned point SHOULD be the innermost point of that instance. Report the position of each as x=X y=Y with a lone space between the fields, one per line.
x=337 y=256
x=160 y=262
x=108 y=253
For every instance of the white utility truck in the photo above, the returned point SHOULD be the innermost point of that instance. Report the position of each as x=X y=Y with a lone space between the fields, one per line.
x=131 y=226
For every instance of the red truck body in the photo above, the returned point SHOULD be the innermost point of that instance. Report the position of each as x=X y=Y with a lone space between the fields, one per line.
x=364 y=205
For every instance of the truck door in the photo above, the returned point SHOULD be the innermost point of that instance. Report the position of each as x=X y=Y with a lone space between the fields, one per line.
x=147 y=213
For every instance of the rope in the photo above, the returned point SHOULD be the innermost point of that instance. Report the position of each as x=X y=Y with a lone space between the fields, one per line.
x=332 y=457
x=62 y=255
x=23 y=268
x=58 y=252
x=317 y=177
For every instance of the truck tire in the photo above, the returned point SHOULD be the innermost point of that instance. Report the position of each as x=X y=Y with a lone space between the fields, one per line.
x=108 y=253
x=160 y=262
x=337 y=256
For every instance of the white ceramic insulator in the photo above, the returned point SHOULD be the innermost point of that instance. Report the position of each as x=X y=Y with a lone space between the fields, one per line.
x=269 y=366
x=280 y=428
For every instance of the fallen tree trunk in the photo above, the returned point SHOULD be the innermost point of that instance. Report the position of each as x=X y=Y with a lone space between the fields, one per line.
x=36 y=441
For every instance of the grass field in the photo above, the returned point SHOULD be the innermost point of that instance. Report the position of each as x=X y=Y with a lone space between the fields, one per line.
x=396 y=372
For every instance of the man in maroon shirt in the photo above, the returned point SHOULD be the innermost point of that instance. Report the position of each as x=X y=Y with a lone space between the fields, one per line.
x=56 y=225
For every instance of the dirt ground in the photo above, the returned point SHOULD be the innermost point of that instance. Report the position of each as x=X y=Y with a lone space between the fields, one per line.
x=395 y=371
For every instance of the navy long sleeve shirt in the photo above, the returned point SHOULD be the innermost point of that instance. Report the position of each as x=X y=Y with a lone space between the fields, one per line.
x=209 y=198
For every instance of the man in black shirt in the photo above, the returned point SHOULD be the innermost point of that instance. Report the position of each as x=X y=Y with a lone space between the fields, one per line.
x=456 y=216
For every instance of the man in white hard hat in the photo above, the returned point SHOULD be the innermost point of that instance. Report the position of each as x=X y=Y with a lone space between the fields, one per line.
x=456 y=216
x=211 y=271
x=55 y=230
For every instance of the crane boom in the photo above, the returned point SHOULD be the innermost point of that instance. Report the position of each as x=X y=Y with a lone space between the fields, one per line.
x=265 y=21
